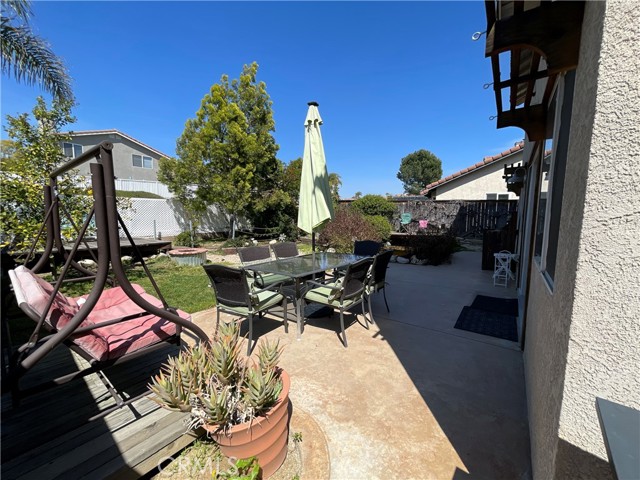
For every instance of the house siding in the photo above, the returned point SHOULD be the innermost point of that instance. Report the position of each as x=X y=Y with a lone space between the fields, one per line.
x=476 y=184
x=123 y=149
x=582 y=335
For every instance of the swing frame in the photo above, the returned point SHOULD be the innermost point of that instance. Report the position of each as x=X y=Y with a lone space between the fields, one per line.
x=107 y=221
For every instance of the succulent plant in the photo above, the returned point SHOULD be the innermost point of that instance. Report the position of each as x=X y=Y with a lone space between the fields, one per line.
x=261 y=390
x=170 y=389
x=216 y=384
x=269 y=355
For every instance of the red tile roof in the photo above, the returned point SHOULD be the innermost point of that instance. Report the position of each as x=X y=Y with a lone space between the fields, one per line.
x=485 y=161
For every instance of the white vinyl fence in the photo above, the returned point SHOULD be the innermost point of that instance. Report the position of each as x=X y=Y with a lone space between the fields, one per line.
x=143 y=186
x=160 y=218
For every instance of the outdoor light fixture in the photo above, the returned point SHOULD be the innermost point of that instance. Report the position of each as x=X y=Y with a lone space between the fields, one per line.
x=515 y=177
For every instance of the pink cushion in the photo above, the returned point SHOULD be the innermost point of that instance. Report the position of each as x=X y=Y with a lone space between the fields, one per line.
x=114 y=341
x=36 y=292
x=105 y=343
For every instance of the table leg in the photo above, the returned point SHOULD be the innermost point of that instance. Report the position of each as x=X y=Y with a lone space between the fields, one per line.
x=299 y=308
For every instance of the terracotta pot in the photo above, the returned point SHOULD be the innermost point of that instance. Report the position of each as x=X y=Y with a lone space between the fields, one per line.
x=266 y=437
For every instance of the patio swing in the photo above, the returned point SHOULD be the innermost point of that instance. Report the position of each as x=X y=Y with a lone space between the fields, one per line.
x=105 y=327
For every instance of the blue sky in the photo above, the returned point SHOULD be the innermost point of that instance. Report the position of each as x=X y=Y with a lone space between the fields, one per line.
x=390 y=78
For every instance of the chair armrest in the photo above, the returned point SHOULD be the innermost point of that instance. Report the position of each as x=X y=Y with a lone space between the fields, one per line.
x=318 y=284
x=270 y=287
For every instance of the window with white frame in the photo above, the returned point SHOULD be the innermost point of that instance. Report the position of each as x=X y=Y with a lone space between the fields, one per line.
x=142 y=161
x=552 y=182
x=71 y=150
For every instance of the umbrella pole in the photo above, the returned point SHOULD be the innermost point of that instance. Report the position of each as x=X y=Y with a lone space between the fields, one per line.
x=313 y=241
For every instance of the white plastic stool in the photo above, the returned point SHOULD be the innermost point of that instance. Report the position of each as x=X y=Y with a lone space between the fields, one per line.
x=502 y=268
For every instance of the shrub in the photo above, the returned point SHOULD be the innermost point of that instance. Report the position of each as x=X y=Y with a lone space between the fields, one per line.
x=235 y=242
x=136 y=194
x=436 y=249
x=183 y=239
x=381 y=225
x=374 y=205
x=347 y=226
x=288 y=228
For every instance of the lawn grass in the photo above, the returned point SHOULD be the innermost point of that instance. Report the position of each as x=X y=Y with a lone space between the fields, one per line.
x=184 y=287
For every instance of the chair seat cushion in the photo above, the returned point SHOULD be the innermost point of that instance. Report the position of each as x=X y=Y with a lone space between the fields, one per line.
x=266 y=279
x=326 y=296
x=262 y=301
x=374 y=288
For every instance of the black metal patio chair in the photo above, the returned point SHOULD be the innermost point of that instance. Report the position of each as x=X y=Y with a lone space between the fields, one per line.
x=366 y=247
x=285 y=250
x=377 y=280
x=258 y=254
x=235 y=295
x=344 y=293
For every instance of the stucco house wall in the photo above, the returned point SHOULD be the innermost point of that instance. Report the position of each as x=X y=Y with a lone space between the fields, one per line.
x=582 y=334
x=478 y=183
x=123 y=149
x=479 y=180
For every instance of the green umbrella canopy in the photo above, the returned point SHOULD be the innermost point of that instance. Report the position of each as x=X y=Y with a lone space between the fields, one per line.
x=315 y=207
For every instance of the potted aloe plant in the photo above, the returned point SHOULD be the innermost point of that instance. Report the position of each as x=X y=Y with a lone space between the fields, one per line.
x=241 y=403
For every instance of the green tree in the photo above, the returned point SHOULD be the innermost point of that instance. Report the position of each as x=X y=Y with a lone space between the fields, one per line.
x=26 y=56
x=335 y=182
x=27 y=160
x=418 y=169
x=293 y=174
x=277 y=207
x=227 y=150
x=373 y=205
x=291 y=179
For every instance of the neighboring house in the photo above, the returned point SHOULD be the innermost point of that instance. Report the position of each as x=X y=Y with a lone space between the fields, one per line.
x=132 y=159
x=482 y=181
x=573 y=87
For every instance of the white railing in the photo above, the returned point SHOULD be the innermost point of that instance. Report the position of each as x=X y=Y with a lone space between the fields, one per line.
x=143 y=186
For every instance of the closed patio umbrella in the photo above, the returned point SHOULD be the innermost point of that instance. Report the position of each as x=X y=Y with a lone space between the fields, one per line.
x=314 y=207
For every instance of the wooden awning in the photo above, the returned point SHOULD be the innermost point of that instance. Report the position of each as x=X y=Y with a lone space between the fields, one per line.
x=542 y=40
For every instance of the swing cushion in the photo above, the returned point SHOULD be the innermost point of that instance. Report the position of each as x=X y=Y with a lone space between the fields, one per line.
x=104 y=343
x=33 y=293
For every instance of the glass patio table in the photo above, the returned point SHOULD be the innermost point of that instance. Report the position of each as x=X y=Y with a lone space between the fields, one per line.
x=300 y=268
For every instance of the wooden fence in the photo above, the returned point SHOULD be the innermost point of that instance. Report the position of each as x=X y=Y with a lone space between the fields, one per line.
x=463 y=218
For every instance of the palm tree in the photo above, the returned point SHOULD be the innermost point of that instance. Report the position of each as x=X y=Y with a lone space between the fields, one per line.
x=26 y=56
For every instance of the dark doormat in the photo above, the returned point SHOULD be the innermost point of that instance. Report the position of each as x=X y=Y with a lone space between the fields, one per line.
x=488 y=323
x=505 y=306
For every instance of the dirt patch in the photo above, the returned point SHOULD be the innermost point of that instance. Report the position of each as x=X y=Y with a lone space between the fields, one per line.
x=217 y=258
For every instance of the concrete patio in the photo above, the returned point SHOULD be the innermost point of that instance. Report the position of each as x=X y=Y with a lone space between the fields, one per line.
x=411 y=397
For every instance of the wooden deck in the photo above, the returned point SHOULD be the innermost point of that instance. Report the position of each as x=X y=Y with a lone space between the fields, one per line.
x=147 y=246
x=50 y=435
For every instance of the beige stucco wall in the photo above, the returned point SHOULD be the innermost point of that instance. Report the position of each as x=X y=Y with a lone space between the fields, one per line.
x=582 y=338
x=476 y=185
